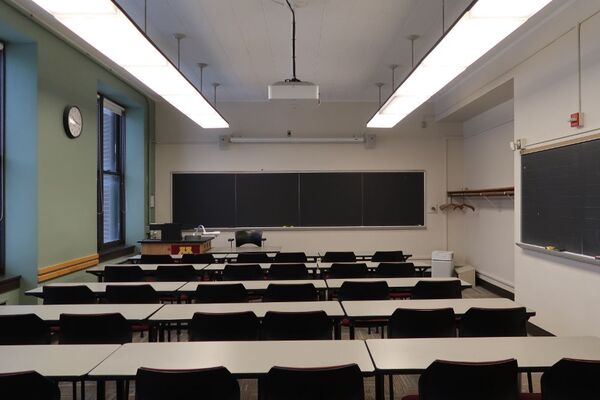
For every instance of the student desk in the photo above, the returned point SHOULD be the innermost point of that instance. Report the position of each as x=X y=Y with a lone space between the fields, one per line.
x=363 y=255
x=270 y=250
x=217 y=269
x=172 y=313
x=219 y=257
x=420 y=265
x=534 y=354
x=404 y=284
x=149 y=269
x=253 y=286
x=99 y=288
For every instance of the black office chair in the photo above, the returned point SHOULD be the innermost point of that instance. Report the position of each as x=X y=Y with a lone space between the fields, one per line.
x=348 y=271
x=290 y=292
x=571 y=379
x=235 y=326
x=445 y=380
x=28 y=385
x=123 y=273
x=176 y=273
x=156 y=259
x=388 y=256
x=248 y=237
x=202 y=258
x=339 y=256
x=131 y=294
x=288 y=271
x=493 y=322
x=312 y=325
x=253 y=258
x=79 y=294
x=290 y=257
x=376 y=290
x=395 y=270
x=111 y=328
x=450 y=289
x=221 y=293
x=332 y=383
x=243 y=272
x=23 y=329
x=435 y=323
x=206 y=384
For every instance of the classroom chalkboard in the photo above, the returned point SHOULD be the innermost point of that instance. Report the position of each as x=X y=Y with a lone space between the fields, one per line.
x=298 y=199
x=561 y=198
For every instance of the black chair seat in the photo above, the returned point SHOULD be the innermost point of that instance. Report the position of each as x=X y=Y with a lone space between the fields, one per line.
x=202 y=258
x=131 y=294
x=123 y=273
x=23 y=329
x=176 y=273
x=395 y=270
x=408 y=323
x=377 y=290
x=79 y=294
x=388 y=256
x=224 y=326
x=290 y=257
x=288 y=271
x=221 y=293
x=450 y=289
x=27 y=385
x=253 y=258
x=290 y=292
x=313 y=325
x=110 y=328
x=491 y=322
x=156 y=259
x=339 y=256
x=243 y=272
x=348 y=271
x=572 y=379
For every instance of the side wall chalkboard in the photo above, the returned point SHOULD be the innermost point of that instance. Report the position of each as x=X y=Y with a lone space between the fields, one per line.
x=561 y=198
x=292 y=199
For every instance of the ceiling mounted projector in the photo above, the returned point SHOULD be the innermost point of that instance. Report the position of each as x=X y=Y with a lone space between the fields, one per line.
x=294 y=88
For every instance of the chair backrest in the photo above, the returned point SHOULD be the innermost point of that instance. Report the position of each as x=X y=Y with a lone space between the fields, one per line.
x=221 y=293
x=290 y=292
x=333 y=383
x=377 y=290
x=23 y=329
x=156 y=259
x=79 y=294
x=450 y=289
x=407 y=323
x=224 y=327
x=28 y=385
x=111 y=328
x=131 y=294
x=388 y=256
x=489 y=322
x=202 y=258
x=248 y=237
x=339 y=256
x=348 y=270
x=206 y=384
x=123 y=273
x=290 y=257
x=312 y=325
x=572 y=379
x=288 y=271
x=253 y=258
x=444 y=380
x=243 y=272
x=395 y=270
x=176 y=273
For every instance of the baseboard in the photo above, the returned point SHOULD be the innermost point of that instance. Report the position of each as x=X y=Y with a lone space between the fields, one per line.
x=493 y=288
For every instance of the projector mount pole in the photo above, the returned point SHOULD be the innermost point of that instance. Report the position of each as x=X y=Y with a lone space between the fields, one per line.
x=294 y=79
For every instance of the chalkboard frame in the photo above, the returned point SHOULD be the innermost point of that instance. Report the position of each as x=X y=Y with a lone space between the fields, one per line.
x=311 y=228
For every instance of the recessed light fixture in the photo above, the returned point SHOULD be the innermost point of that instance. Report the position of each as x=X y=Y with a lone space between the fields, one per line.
x=485 y=24
x=104 y=26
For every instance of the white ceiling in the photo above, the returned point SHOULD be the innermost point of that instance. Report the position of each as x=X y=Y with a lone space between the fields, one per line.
x=345 y=46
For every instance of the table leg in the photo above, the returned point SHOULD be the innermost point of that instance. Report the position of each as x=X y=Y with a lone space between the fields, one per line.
x=379 y=387
x=83 y=389
x=121 y=390
x=161 y=332
x=337 y=330
x=100 y=390
x=351 y=328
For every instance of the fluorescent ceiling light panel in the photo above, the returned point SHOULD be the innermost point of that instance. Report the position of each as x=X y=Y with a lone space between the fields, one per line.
x=106 y=28
x=480 y=29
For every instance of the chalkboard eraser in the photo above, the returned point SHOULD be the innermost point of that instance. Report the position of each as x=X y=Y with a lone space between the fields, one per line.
x=550 y=248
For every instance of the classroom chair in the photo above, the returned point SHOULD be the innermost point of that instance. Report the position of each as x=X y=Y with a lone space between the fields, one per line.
x=156 y=259
x=312 y=325
x=253 y=237
x=123 y=273
x=358 y=291
x=395 y=270
x=572 y=379
x=388 y=256
x=253 y=258
x=339 y=256
x=290 y=257
x=23 y=329
x=446 y=380
x=450 y=289
x=290 y=292
x=221 y=293
x=176 y=273
x=131 y=294
x=348 y=271
x=288 y=271
x=234 y=326
x=202 y=258
x=79 y=294
x=28 y=385
x=206 y=384
x=243 y=272
x=493 y=322
x=332 y=383
x=110 y=328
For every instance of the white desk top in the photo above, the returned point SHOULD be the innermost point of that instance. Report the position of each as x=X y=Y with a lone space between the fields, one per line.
x=254 y=285
x=385 y=308
x=374 y=265
x=532 y=353
x=54 y=361
x=395 y=283
x=270 y=250
x=264 y=266
x=100 y=287
x=185 y=312
x=144 y=267
x=51 y=312
x=218 y=256
x=240 y=358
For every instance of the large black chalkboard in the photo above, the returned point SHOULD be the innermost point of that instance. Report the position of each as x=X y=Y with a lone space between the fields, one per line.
x=317 y=199
x=561 y=198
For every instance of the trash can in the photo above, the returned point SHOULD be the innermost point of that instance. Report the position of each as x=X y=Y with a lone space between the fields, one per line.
x=442 y=264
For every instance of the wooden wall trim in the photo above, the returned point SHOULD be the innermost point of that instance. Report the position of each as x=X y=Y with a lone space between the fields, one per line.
x=563 y=143
x=67 y=267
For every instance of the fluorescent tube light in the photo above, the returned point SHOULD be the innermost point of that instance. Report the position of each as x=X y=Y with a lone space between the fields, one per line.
x=305 y=140
x=480 y=28
x=104 y=26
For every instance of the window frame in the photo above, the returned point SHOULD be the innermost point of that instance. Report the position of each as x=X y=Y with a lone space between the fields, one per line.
x=2 y=158
x=119 y=172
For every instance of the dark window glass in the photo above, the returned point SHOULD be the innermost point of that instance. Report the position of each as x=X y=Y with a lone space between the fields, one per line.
x=1 y=158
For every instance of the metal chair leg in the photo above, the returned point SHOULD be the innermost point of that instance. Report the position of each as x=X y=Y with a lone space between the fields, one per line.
x=530 y=382
x=391 y=377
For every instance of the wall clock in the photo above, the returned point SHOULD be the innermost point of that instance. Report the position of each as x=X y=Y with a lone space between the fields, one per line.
x=73 y=121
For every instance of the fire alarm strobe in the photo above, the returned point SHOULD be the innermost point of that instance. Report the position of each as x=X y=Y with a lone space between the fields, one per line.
x=576 y=120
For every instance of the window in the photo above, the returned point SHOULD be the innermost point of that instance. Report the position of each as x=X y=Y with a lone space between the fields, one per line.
x=111 y=177
x=2 y=158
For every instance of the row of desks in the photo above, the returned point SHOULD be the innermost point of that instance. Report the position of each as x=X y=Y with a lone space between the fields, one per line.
x=254 y=359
